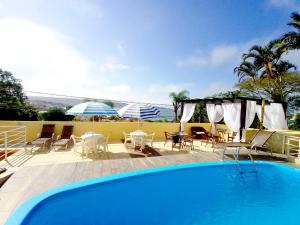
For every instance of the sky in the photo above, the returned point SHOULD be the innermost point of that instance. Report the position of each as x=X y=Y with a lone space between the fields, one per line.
x=135 y=50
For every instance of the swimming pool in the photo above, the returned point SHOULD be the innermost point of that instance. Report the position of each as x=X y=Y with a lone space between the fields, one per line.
x=206 y=193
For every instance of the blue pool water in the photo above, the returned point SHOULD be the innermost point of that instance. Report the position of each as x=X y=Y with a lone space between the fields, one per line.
x=207 y=193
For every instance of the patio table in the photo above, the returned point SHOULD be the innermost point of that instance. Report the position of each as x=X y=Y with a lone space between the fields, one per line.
x=138 y=138
x=91 y=141
x=138 y=133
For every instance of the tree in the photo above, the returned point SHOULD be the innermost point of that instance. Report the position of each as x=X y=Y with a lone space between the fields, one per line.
x=233 y=94
x=262 y=61
x=55 y=114
x=246 y=69
x=269 y=89
x=13 y=101
x=263 y=68
x=200 y=114
x=294 y=124
x=182 y=95
x=291 y=40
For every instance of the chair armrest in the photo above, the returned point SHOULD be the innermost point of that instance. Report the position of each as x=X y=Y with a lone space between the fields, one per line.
x=58 y=137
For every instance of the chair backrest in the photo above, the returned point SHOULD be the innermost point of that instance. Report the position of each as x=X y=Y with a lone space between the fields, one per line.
x=150 y=136
x=47 y=131
x=261 y=137
x=76 y=139
x=168 y=135
x=126 y=135
x=67 y=132
x=106 y=139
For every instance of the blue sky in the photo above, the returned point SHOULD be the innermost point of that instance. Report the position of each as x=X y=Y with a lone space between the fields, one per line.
x=135 y=50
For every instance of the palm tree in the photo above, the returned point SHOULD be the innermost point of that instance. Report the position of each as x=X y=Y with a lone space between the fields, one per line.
x=291 y=40
x=182 y=95
x=264 y=64
x=283 y=67
x=246 y=69
x=264 y=58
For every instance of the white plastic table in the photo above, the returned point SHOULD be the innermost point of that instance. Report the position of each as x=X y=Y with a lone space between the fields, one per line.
x=138 y=133
x=138 y=138
x=92 y=136
x=91 y=141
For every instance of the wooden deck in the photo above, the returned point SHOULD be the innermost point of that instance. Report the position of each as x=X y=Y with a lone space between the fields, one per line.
x=32 y=180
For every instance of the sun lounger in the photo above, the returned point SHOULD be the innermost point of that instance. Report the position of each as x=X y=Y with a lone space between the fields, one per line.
x=44 y=139
x=259 y=141
x=65 y=138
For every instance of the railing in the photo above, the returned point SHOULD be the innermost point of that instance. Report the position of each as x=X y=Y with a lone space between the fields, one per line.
x=293 y=146
x=12 y=138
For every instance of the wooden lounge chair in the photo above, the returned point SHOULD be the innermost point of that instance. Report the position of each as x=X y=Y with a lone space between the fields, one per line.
x=64 y=140
x=259 y=141
x=43 y=139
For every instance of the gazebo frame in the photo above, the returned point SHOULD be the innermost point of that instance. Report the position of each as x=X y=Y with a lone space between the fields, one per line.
x=242 y=100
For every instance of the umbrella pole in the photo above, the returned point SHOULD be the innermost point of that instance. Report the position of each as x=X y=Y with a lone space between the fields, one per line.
x=93 y=124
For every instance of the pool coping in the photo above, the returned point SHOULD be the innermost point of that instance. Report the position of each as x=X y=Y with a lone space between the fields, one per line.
x=20 y=215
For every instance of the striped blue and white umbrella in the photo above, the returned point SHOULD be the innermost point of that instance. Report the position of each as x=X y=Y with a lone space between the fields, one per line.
x=92 y=109
x=139 y=111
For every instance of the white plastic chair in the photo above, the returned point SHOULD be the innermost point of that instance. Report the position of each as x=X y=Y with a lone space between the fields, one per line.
x=78 y=142
x=138 y=141
x=86 y=146
x=127 y=139
x=103 y=142
x=148 y=139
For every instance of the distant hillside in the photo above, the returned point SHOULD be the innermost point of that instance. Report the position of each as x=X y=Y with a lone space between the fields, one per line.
x=44 y=103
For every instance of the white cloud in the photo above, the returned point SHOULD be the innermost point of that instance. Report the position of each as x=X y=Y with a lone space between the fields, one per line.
x=293 y=57
x=158 y=92
x=192 y=61
x=121 y=47
x=218 y=56
x=111 y=64
x=46 y=61
x=86 y=8
x=224 y=54
x=167 y=88
x=291 y=4
x=40 y=55
x=215 y=88
x=230 y=55
x=121 y=88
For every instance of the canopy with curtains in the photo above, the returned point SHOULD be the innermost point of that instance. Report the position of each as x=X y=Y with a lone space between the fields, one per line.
x=238 y=113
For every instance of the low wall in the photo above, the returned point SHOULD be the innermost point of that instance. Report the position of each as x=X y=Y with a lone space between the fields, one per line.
x=115 y=130
x=112 y=129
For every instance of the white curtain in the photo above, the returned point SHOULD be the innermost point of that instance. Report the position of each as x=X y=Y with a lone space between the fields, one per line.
x=215 y=114
x=267 y=115
x=274 y=117
x=278 y=116
x=188 y=111
x=232 y=117
x=250 y=113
